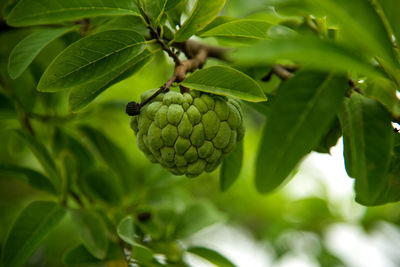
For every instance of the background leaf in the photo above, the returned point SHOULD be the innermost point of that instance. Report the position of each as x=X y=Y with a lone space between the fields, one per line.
x=126 y=230
x=202 y=14
x=35 y=179
x=368 y=140
x=113 y=155
x=82 y=95
x=301 y=113
x=34 y=12
x=212 y=256
x=305 y=50
x=90 y=58
x=43 y=156
x=392 y=9
x=196 y=217
x=231 y=167
x=92 y=232
x=34 y=223
x=102 y=185
x=80 y=256
x=226 y=81
x=243 y=28
x=25 y=51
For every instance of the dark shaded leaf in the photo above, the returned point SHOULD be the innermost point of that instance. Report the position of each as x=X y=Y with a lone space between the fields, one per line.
x=43 y=156
x=35 y=179
x=300 y=114
x=80 y=256
x=102 y=185
x=34 y=223
x=368 y=140
x=113 y=155
x=231 y=167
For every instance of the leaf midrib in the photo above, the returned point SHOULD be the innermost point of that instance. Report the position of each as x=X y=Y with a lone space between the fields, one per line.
x=93 y=62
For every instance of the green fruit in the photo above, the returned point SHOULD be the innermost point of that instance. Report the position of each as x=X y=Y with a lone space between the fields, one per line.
x=188 y=133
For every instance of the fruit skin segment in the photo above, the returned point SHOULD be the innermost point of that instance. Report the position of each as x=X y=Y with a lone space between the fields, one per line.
x=188 y=133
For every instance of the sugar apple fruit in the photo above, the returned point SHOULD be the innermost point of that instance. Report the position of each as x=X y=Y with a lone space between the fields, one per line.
x=188 y=133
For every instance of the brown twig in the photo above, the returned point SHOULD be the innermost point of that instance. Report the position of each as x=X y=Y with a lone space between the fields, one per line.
x=155 y=35
x=283 y=72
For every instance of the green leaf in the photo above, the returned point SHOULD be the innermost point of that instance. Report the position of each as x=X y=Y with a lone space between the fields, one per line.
x=368 y=141
x=384 y=91
x=300 y=115
x=92 y=232
x=226 y=81
x=356 y=16
x=43 y=156
x=243 y=28
x=64 y=141
x=216 y=22
x=82 y=95
x=80 y=256
x=35 y=12
x=126 y=230
x=90 y=58
x=195 y=217
x=34 y=178
x=102 y=185
x=231 y=167
x=25 y=51
x=317 y=54
x=113 y=155
x=202 y=14
x=392 y=11
x=330 y=138
x=33 y=224
x=212 y=256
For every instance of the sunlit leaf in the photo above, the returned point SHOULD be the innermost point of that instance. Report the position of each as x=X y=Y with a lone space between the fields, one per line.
x=34 y=223
x=300 y=115
x=226 y=81
x=202 y=14
x=126 y=230
x=212 y=256
x=244 y=28
x=91 y=58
